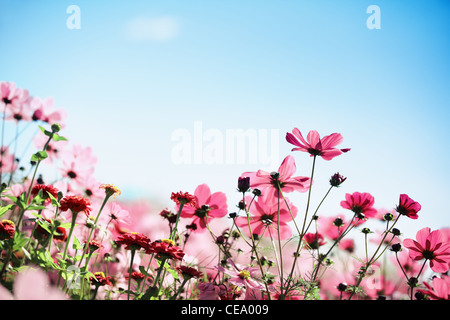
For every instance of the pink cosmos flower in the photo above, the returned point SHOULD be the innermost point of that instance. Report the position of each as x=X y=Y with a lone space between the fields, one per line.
x=208 y=206
x=42 y=110
x=78 y=164
x=12 y=96
x=268 y=182
x=408 y=207
x=243 y=277
x=316 y=146
x=314 y=240
x=208 y=291
x=7 y=160
x=430 y=246
x=264 y=215
x=439 y=290
x=32 y=284
x=361 y=204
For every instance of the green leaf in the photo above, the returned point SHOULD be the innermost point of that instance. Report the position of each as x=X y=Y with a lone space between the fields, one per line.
x=57 y=137
x=144 y=272
x=47 y=133
x=76 y=244
x=5 y=209
x=39 y=156
x=55 y=202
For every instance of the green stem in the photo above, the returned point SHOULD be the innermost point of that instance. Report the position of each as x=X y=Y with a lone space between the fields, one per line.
x=175 y=229
x=373 y=259
x=297 y=252
x=174 y=297
x=72 y=226
x=129 y=273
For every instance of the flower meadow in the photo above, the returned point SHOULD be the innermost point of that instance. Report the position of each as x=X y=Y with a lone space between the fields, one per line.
x=73 y=238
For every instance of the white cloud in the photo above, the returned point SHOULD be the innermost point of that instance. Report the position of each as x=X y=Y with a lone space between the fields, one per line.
x=152 y=29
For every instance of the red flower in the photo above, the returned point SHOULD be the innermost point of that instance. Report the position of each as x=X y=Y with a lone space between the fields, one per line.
x=59 y=235
x=314 y=240
x=189 y=272
x=183 y=198
x=76 y=204
x=136 y=275
x=361 y=204
x=316 y=146
x=100 y=279
x=46 y=189
x=133 y=241
x=165 y=249
x=7 y=229
x=431 y=246
x=408 y=207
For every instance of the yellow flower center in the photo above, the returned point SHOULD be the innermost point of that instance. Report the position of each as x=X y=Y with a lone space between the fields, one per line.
x=244 y=274
x=168 y=241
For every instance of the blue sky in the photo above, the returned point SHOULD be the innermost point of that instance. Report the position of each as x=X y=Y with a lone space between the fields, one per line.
x=137 y=71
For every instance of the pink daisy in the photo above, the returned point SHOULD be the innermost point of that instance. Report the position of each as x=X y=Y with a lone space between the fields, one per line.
x=207 y=206
x=269 y=182
x=316 y=146
x=430 y=246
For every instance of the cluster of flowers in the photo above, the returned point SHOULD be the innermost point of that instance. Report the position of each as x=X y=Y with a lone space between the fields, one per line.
x=198 y=250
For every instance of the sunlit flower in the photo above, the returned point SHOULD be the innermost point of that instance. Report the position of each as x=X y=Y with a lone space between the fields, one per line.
x=208 y=206
x=110 y=190
x=133 y=241
x=165 y=249
x=408 y=207
x=316 y=146
x=76 y=204
x=183 y=198
x=430 y=245
x=361 y=204
x=283 y=179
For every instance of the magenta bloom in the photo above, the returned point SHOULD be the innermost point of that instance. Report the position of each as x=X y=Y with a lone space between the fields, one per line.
x=243 y=277
x=361 y=204
x=431 y=246
x=269 y=182
x=264 y=213
x=439 y=290
x=207 y=207
x=408 y=207
x=315 y=146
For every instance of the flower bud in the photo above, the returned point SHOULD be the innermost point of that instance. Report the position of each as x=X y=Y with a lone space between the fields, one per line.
x=243 y=184
x=56 y=127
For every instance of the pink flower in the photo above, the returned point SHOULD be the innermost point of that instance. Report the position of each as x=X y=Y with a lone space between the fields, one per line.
x=408 y=207
x=314 y=240
x=7 y=160
x=208 y=291
x=243 y=277
x=361 y=204
x=12 y=96
x=315 y=146
x=265 y=216
x=78 y=164
x=430 y=246
x=32 y=284
x=439 y=290
x=207 y=207
x=284 y=179
x=43 y=111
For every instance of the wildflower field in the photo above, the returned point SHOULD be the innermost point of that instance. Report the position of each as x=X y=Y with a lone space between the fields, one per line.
x=73 y=238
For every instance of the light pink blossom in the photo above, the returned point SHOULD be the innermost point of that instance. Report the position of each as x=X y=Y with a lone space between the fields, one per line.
x=316 y=146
